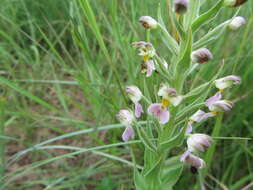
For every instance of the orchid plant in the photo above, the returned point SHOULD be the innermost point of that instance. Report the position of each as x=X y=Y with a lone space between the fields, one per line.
x=170 y=119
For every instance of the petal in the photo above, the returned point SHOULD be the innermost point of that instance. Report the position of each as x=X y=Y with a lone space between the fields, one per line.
x=150 y=67
x=189 y=128
x=138 y=109
x=153 y=109
x=176 y=100
x=128 y=133
x=185 y=155
x=213 y=99
x=164 y=116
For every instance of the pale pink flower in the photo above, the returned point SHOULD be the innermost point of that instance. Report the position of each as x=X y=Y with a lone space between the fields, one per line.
x=135 y=95
x=160 y=112
x=193 y=160
x=198 y=142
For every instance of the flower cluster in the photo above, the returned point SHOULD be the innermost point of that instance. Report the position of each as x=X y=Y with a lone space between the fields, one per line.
x=170 y=96
x=199 y=142
x=147 y=52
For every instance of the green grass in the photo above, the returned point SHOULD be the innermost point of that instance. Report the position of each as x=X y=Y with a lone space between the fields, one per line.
x=63 y=64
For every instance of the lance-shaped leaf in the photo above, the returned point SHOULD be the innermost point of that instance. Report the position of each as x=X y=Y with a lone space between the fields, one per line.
x=171 y=172
x=192 y=13
x=170 y=42
x=139 y=180
x=207 y=16
x=175 y=141
x=211 y=35
x=185 y=60
x=145 y=139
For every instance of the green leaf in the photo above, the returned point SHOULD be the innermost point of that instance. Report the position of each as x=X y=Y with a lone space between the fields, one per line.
x=207 y=16
x=177 y=140
x=145 y=139
x=139 y=181
x=171 y=172
x=185 y=61
x=192 y=13
x=27 y=94
x=211 y=36
x=169 y=41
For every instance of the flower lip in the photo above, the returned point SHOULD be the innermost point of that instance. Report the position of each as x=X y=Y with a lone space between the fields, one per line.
x=148 y=67
x=193 y=160
x=158 y=111
x=128 y=133
x=213 y=99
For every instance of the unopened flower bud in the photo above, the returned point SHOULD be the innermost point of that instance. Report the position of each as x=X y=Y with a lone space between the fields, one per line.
x=181 y=6
x=227 y=82
x=193 y=160
x=201 y=56
x=237 y=22
x=148 y=22
x=198 y=142
x=234 y=3
x=125 y=117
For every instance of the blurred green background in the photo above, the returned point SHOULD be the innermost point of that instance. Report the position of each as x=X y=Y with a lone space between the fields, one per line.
x=58 y=60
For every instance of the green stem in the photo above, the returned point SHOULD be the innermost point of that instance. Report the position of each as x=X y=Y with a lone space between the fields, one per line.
x=2 y=143
x=211 y=150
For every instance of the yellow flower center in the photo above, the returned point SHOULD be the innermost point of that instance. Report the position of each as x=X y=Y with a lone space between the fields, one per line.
x=145 y=58
x=165 y=102
x=221 y=90
x=214 y=112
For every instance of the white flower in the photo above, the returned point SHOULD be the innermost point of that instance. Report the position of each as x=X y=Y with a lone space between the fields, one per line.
x=134 y=93
x=227 y=81
x=198 y=142
x=148 y=22
x=146 y=49
x=125 y=117
x=237 y=22
x=201 y=56
x=169 y=95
